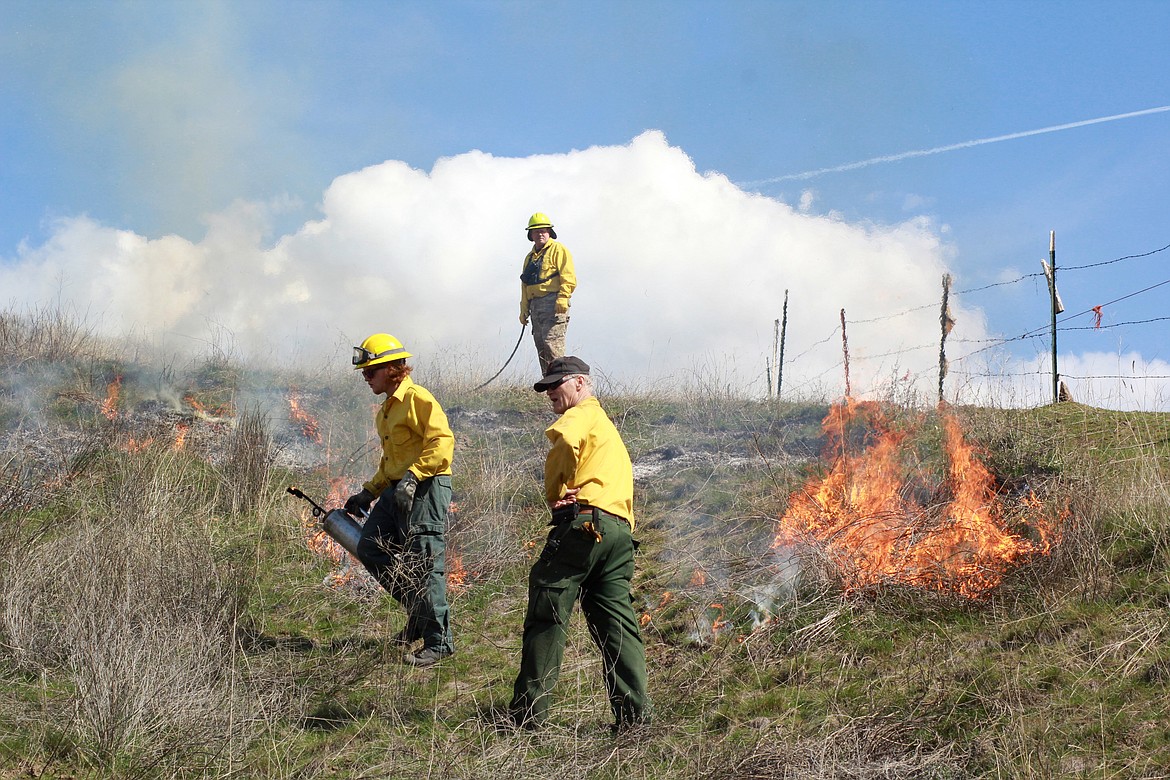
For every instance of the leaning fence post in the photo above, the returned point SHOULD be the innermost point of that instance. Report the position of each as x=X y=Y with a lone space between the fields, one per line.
x=947 y=322
x=845 y=351
x=780 y=359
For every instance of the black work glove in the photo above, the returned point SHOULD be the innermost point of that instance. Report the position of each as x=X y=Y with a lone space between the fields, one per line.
x=358 y=503
x=404 y=493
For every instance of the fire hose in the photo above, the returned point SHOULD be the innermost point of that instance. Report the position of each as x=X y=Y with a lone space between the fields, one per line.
x=523 y=328
x=337 y=523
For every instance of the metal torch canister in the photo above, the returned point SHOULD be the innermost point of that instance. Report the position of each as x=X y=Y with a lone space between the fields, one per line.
x=344 y=529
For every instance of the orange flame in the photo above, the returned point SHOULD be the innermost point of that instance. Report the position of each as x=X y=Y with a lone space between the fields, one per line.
x=647 y=616
x=339 y=490
x=110 y=405
x=310 y=428
x=860 y=516
x=699 y=578
x=456 y=574
x=204 y=413
x=322 y=543
x=719 y=622
x=134 y=446
x=181 y=431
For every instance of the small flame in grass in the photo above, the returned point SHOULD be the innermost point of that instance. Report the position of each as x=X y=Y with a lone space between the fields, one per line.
x=320 y=542
x=347 y=572
x=456 y=574
x=203 y=412
x=339 y=490
x=718 y=622
x=310 y=428
x=699 y=578
x=181 y=431
x=110 y=405
x=648 y=615
x=709 y=624
x=134 y=446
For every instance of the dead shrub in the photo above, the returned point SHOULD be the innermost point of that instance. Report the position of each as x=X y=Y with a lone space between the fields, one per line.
x=126 y=605
x=45 y=335
x=247 y=463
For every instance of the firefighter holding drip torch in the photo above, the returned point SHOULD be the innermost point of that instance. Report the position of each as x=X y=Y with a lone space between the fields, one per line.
x=403 y=543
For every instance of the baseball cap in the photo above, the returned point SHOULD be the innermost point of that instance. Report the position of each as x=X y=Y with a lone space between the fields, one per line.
x=558 y=369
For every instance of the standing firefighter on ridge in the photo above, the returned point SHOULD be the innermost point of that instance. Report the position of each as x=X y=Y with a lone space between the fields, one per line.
x=546 y=283
x=403 y=542
x=589 y=485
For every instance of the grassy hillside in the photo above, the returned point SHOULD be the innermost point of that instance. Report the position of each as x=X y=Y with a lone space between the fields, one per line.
x=165 y=616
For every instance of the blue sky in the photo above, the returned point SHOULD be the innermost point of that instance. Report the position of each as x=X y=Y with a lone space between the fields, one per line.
x=167 y=119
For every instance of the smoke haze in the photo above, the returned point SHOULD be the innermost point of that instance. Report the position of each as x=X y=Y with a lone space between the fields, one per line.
x=681 y=274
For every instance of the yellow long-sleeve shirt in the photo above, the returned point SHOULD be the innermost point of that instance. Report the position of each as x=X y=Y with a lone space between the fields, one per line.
x=415 y=435
x=587 y=453
x=556 y=275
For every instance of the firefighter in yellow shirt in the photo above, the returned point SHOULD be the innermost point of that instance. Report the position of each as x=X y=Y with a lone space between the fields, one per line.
x=547 y=281
x=403 y=543
x=589 y=485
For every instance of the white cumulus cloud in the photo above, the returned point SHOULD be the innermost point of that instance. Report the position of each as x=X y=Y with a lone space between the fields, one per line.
x=681 y=274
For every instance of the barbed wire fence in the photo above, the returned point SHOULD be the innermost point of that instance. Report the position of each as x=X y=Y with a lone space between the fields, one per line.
x=1045 y=337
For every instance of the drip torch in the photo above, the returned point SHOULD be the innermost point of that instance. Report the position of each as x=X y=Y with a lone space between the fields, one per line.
x=337 y=523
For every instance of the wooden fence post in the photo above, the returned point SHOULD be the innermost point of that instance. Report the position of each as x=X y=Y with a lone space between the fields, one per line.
x=947 y=322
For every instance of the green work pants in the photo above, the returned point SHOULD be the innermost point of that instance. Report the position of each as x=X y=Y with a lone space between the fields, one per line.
x=408 y=557
x=574 y=563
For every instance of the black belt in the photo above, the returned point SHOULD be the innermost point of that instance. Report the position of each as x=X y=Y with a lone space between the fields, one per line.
x=595 y=512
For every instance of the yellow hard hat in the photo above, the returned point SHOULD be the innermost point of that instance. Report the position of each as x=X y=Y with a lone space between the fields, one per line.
x=541 y=220
x=377 y=349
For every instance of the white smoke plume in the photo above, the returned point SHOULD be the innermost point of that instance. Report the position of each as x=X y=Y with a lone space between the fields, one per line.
x=681 y=275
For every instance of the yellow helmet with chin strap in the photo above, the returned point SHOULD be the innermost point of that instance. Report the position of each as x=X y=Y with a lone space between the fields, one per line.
x=377 y=349
x=541 y=220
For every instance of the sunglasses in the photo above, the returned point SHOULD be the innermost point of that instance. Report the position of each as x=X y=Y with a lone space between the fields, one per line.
x=372 y=370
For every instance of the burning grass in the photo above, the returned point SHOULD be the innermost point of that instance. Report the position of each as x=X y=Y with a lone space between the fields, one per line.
x=866 y=524
x=165 y=616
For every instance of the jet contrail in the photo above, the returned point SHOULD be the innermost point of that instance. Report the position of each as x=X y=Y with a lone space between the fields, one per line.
x=952 y=147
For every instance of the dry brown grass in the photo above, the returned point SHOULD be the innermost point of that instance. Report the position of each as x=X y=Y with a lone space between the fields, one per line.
x=47 y=335
x=247 y=464
x=124 y=605
x=163 y=618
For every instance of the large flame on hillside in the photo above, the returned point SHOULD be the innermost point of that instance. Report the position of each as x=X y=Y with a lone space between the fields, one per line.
x=862 y=514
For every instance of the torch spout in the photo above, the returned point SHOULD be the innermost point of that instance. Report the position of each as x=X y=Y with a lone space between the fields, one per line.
x=317 y=510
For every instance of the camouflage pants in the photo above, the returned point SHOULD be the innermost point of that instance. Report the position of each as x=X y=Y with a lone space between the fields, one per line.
x=548 y=329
